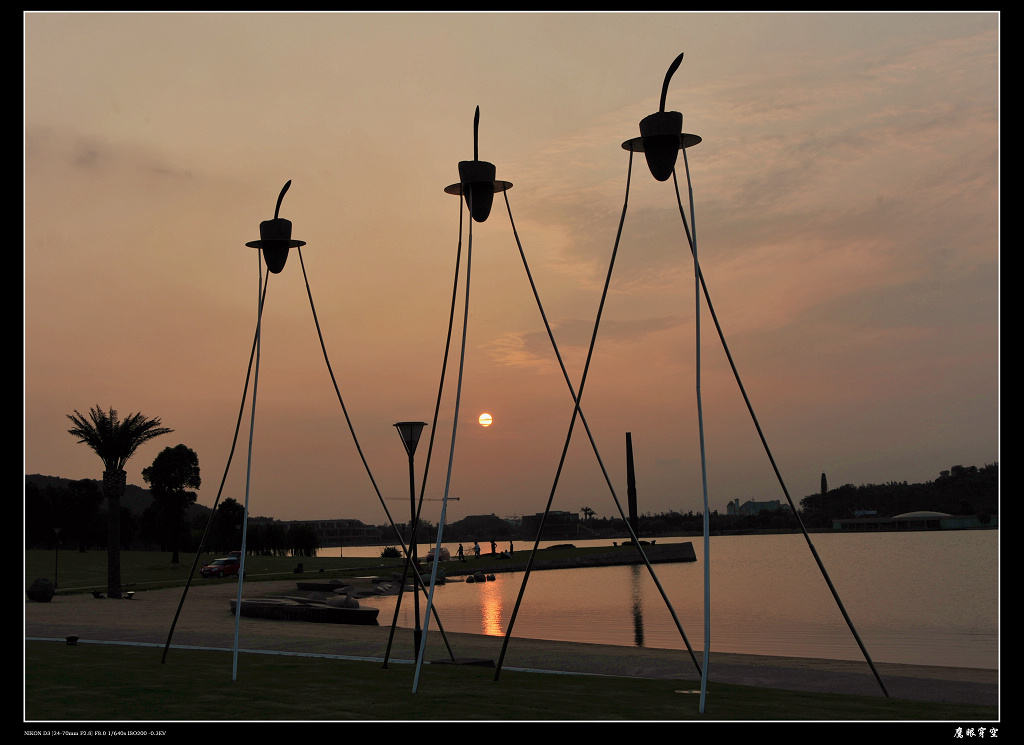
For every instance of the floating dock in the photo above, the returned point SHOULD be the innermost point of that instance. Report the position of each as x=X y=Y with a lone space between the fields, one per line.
x=620 y=555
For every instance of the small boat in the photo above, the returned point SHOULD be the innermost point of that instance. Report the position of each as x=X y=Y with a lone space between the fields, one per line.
x=288 y=609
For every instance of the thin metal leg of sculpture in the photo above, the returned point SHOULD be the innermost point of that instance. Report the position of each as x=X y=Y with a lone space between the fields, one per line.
x=568 y=438
x=771 y=458
x=586 y=426
x=227 y=468
x=344 y=409
x=700 y=426
x=248 y=473
x=451 y=452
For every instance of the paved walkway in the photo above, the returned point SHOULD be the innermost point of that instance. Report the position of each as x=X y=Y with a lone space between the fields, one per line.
x=205 y=621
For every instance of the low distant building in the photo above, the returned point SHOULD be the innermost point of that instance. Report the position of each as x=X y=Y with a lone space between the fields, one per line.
x=341 y=532
x=751 y=507
x=920 y=520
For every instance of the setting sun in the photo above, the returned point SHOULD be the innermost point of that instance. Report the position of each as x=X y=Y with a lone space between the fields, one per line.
x=485 y=420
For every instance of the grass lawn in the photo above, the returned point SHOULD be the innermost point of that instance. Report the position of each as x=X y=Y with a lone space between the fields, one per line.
x=103 y=683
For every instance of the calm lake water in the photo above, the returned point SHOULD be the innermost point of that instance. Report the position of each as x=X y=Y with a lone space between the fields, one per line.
x=929 y=598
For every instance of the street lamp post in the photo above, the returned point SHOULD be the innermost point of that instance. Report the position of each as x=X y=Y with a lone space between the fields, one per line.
x=410 y=434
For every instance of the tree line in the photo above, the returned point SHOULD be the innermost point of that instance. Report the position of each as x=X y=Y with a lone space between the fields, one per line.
x=73 y=514
x=962 y=490
x=78 y=513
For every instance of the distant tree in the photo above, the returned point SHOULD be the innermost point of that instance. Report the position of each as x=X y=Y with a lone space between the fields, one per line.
x=587 y=512
x=73 y=509
x=39 y=517
x=174 y=471
x=115 y=442
x=227 y=526
x=81 y=506
x=267 y=538
x=824 y=484
x=129 y=528
x=303 y=540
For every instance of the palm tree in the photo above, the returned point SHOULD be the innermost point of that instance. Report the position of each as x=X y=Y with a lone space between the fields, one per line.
x=114 y=441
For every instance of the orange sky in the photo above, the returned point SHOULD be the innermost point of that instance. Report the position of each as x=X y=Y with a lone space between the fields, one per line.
x=846 y=197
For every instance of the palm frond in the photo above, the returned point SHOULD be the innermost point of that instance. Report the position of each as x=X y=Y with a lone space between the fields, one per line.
x=113 y=440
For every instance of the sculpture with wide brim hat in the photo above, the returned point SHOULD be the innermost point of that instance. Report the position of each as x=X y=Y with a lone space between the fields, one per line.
x=476 y=180
x=661 y=134
x=276 y=238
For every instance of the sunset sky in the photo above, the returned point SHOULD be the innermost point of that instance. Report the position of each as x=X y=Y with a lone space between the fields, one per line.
x=847 y=212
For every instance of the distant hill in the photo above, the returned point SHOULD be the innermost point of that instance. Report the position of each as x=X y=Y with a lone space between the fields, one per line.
x=135 y=498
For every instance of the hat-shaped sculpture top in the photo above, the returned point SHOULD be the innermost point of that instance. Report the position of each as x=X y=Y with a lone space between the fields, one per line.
x=276 y=238
x=661 y=133
x=476 y=179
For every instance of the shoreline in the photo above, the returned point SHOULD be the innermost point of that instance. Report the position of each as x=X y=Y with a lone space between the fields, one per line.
x=146 y=619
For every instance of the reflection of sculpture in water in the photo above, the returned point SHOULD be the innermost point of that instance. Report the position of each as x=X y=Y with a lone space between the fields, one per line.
x=638 y=604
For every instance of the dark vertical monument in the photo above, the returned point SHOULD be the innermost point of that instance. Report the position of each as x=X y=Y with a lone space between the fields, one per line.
x=631 y=486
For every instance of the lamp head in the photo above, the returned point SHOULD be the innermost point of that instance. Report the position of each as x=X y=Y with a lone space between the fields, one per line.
x=410 y=433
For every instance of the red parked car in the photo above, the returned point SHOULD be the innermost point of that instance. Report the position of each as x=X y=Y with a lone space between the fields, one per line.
x=221 y=568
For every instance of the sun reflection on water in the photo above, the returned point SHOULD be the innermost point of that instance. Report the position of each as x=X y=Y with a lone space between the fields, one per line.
x=491 y=606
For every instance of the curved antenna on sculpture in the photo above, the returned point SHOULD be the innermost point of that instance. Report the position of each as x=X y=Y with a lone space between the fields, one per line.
x=476 y=134
x=277 y=210
x=668 y=76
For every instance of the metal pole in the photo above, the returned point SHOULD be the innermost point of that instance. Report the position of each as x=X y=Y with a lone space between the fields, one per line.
x=771 y=458
x=248 y=475
x=415 y=564
x=631 y=485
x=455 y=425
x=703 y=457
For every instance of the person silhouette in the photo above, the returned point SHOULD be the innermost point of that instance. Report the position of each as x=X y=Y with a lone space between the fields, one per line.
x=462 y=556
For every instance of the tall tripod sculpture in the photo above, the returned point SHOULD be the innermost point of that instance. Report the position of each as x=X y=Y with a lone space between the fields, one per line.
x=274 y=246
x=477 y=187
x=661 y=139
x=665 y=140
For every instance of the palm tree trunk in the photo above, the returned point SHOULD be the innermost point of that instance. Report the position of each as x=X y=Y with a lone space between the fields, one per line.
x=113 y=488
